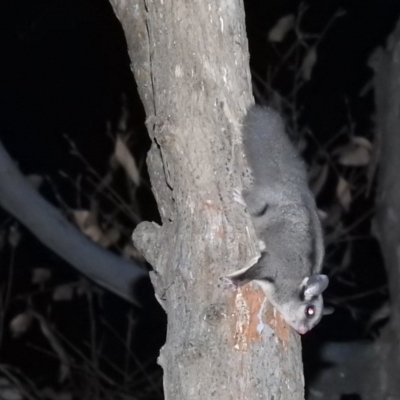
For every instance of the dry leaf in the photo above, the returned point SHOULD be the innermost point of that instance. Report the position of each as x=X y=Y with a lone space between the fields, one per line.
x=20 y=323
x=302 y=144
x=309 y=61
x=126 y=160
x=84 y=287
x=355 y=157
x=94 y=232
x=112 y=235
x=281 y=28
x=322 y=215
x=355 y=154
x=362 y=141
x=14 y=235
x=35 y=180
x=87 y=223
x=334 y=216
x=9 y=390
x=84 y=218
x=40 y=275
x=130 y=251
x=343 y=193
x=63 y=293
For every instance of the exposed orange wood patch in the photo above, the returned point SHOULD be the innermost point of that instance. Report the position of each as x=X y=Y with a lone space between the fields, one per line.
x=252 y=315
x=275 y=320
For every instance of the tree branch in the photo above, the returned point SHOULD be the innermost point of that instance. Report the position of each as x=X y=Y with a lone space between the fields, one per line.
x=19 y=198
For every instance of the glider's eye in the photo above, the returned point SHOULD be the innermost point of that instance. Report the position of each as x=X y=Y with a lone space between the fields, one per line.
x=310 y=311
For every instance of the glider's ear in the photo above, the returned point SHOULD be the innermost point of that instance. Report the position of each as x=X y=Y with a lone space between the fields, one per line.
x=315 y=285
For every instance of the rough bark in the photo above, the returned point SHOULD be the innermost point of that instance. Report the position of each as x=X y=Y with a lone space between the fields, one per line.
x=20 y=199
x=386 y=64
x=190 y=61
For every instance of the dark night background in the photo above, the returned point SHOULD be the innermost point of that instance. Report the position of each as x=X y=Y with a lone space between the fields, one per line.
x=64 y=70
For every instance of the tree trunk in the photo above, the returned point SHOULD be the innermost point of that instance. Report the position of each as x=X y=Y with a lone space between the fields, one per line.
x=386 y=64
x=190 y=61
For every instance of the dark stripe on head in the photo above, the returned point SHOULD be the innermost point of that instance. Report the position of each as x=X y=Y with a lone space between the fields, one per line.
x=301 y=293
x=261 y=212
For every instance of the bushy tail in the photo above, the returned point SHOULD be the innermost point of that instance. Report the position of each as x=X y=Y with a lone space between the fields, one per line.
x=270 y=154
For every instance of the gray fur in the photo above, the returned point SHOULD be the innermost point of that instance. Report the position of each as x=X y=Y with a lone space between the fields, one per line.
x=285 y=217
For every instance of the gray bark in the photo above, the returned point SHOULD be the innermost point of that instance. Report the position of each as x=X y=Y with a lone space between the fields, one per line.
x=19 y=198
x=190 y=61
x=386 y=63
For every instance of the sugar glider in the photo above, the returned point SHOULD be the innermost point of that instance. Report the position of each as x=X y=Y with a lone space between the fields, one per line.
x=286 y=221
